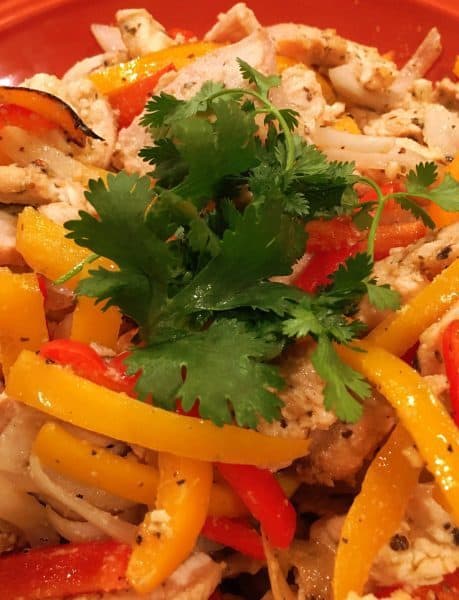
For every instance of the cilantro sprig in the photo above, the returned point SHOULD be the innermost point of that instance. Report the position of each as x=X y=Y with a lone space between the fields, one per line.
x=196 y=253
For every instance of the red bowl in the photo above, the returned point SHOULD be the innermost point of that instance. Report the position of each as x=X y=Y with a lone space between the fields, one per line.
x=50 y=35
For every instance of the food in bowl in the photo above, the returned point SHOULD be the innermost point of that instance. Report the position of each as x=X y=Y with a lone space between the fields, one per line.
x=229 y=329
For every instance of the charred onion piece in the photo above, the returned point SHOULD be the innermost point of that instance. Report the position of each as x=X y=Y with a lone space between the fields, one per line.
x=50 y=107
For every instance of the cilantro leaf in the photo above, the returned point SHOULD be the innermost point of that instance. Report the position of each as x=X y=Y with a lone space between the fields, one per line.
x=263 y=83
x=383 y=297
x=446 y=194
x=264 y=243
x=223 y=371
x=342 y=383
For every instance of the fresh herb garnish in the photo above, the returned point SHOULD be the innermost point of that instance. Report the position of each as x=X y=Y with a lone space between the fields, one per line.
x=196 y=254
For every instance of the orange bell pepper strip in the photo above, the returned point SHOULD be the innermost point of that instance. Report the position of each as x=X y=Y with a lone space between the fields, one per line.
x=400 y=331
x=45 y=248
x=130 y=100
x=375 y=513
x=183 y=493
x=420 y=412
x=60 y=393
x=92 y=324
x=22 y=316
x=456 y=67
x=440 y=216
x=51 y=108
x=18 y=116
x=119 y=76
x=92 y=465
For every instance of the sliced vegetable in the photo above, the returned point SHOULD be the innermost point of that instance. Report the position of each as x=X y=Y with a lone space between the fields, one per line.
x=397 y=235
x=92 y=465
x=440 y=216
x=18 y=116
x=264 y=497
x=51 y=108
x=450 y=348
x=375 y=513
x=236 y=534
x=64 y=570
x=85 y=362
x=347 y=123
x=62 y=394
x=183 y=493
x=399 y=332
x=92 y=324
x=420 y=412
x=320 y=266
x=45 y=248
x=22 y=316
x=130 y=100
x=120 y=75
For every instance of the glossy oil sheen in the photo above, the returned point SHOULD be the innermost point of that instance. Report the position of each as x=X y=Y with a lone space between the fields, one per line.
x=50 y=35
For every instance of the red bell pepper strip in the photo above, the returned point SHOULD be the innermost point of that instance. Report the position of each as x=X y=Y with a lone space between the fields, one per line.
x=236 y=534
x=85 y=362
x=43 y=286
x=19 y=116
x=130 y=100
x=331 y=234
x=319 y=268
x=260 y=491
x=450 y=351
x=60 y=571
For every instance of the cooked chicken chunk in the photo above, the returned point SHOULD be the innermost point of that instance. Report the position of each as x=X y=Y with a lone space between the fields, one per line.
x=301 y=91
x=430 y=358
x=221 y=65
x=303 y=409
x=234 y=25
x=446 y=92
x=339 y=453
x=141 y=33
x=408 y=270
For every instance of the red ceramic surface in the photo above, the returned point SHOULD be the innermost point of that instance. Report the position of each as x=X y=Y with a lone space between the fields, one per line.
x=49 y=35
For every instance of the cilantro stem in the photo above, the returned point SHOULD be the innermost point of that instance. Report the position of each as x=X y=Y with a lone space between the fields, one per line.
x=269 y=108
x=377 y=216
x=76 y=269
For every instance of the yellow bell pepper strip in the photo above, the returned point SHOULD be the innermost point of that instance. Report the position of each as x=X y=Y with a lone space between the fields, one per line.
x=22 y=316
x=399 y=332
x=348 y=124
x=375 y=514
x=50 y=108
x=183 y=492
x=45 y=248
x=91 y=324
x=420 y=412
x=118 y=76
x=86 y=463
x=92 y=465
x=60 y=393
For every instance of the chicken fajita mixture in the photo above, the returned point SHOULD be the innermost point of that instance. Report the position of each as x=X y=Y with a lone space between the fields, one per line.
x=229 y=319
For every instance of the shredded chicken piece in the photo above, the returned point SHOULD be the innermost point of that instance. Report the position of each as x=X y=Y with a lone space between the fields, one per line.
x=141 y=33
x=130 y=141
x=408 y=270
x=303 y=409
x=221 y=65
x=339 y=453
x=234 y=25
x=441 y=130
x=8 y=254
x=301 y=91
x=446 y=92
x=399 y=122
x=430 y=358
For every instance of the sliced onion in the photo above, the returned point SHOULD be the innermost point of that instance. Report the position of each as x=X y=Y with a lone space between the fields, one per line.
x=329 y=137
x=279 y=587
x=112 y=526
x=26 y=513
x=418 y=65
x=346 y=83
x=108 y=37
x=74 y=531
